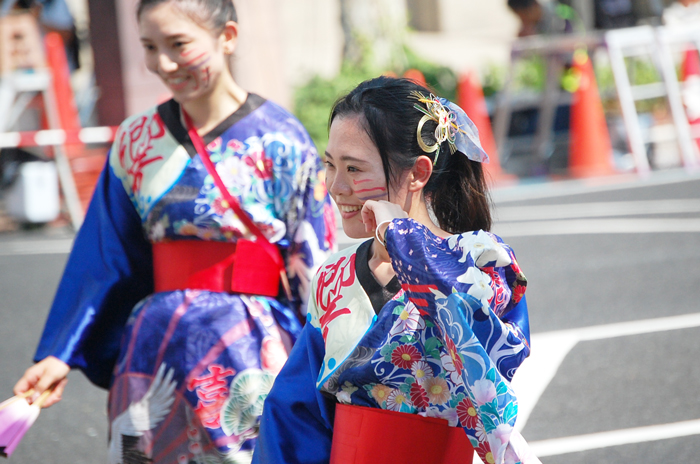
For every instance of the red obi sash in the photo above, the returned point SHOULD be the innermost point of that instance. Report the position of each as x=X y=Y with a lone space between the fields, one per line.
x=225 y=267
x=369 y=435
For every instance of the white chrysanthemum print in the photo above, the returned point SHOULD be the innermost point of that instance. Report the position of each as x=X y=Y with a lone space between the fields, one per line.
x=396 y=399
x=235 y=174
x=421 y=371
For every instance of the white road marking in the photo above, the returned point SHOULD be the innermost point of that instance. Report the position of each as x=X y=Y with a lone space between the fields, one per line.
x=524 y=191
x=549 y=349
x=595 y=209
x=593 y=441
x=535 y=373
x=36 y=247
x=597 y=226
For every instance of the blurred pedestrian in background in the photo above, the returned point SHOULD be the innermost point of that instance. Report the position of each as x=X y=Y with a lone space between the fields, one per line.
x=53 y=16
x=538 y=18
x=171 y=295
x=426 y=319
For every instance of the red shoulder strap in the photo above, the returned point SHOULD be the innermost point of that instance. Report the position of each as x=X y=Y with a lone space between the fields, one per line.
x=230 y=199
x=271 y=249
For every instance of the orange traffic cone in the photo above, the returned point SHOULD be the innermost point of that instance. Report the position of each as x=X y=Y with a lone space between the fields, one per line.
x=690 y=75
x=470 y=97
x=590 y=150
x=416 y=76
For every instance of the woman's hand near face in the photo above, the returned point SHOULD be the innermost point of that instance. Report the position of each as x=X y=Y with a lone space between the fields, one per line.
x=43 y=375
x=380 y=213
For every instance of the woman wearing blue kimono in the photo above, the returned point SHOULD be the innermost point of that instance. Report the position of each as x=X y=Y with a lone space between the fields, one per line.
x=413 y=336
x=151 y=304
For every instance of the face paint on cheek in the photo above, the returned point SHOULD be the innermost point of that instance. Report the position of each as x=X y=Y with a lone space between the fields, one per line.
x=371 y=193
x=195 y=66
x=198 y=65
x=197 y=61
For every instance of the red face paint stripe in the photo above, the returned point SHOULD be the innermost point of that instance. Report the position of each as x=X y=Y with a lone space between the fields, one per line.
x=370 y=189
x=194 y=59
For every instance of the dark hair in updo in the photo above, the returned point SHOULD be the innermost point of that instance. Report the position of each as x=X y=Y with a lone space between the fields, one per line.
x=456 y=191
x=212 y=14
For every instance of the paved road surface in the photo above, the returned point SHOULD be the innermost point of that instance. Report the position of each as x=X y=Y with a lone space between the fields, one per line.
x=614 y=291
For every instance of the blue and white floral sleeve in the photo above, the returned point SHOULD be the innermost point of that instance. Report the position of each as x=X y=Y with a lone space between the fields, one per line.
x=478 y=267
x=467 y=284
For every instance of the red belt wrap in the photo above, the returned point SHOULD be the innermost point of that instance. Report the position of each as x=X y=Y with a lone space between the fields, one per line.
x=217 y=266
x=369 y=435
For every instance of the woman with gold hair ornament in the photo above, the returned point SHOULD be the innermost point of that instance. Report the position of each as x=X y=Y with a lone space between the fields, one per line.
x=412 y=336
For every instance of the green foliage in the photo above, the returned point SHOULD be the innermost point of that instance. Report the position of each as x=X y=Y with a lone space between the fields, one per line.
x=530 y=73
x=641 y=71
x=493 y=79
x=313 y=101
x=439 y=78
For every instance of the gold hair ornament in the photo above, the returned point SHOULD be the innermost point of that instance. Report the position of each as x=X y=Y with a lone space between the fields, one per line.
x=453 y=126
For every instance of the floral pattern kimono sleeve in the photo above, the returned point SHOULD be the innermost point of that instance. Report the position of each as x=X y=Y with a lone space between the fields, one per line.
x=465 y=284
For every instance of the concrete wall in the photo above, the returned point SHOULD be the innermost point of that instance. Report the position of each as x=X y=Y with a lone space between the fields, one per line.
x=143 y=88
x=258 y=61
x=313 y=39
x=474 y=34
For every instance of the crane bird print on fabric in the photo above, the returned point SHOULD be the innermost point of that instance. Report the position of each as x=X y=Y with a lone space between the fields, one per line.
x=140 y=417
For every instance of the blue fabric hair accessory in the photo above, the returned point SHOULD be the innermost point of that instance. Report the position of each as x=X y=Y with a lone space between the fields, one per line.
x=453 y=126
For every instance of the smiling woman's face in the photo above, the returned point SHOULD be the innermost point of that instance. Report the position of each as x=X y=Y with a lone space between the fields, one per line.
x=184 y=54
x=354 y=173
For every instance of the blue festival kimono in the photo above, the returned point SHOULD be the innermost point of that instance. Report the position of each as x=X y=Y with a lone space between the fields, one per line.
x=445 y=345
x=188 y=369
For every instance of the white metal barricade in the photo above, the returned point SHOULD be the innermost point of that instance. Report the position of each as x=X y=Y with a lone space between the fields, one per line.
x=655 y=44
x=678 y=39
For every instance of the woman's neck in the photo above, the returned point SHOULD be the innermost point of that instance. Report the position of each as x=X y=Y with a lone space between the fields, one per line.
x=380 y=264
x=211 y=109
